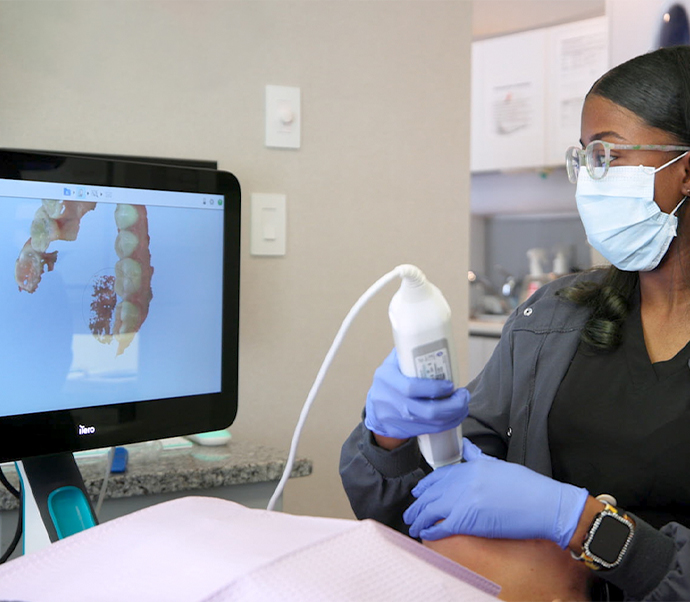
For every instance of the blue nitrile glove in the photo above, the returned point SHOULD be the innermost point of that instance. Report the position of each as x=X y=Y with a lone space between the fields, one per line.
x=488 y=497
x=402 y=407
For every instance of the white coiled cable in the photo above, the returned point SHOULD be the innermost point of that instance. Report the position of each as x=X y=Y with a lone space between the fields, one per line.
x=402 y=271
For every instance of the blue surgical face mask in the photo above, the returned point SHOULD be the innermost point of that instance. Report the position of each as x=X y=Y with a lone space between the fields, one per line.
x=621 y=219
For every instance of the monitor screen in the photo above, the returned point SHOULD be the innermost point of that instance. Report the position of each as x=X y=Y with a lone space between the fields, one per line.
x=119 y=282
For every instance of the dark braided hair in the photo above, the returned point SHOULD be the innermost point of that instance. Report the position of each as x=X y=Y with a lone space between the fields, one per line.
x=656 y=88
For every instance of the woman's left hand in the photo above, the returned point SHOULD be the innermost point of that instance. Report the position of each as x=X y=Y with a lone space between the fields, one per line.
x=487 y=497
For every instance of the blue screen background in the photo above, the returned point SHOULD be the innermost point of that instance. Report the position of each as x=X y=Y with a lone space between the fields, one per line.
x=50 y=358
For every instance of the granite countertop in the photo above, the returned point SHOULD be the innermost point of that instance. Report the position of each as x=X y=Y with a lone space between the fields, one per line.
x=153 y=469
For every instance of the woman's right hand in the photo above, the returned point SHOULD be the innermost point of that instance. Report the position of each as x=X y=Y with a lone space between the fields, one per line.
x=400 y=407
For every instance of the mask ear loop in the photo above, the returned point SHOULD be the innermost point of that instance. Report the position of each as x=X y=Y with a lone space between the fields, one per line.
x=658 y=169
x=678 y=158
x=678 y=205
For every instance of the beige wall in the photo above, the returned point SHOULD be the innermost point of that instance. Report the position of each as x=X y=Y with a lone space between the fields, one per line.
x=382 y=177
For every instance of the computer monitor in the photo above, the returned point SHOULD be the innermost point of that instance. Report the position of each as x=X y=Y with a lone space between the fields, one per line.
x=119 y=285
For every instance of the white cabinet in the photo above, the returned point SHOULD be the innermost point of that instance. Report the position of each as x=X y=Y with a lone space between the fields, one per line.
x=577 y=55
x=508 y=101
x=636 y=25
x=527 y=93
x=480 y=350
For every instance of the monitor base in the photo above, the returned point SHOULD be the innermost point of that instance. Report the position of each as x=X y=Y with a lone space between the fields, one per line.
x=54 y=500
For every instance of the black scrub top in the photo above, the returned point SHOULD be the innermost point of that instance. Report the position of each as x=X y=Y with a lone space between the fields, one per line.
x=620 y=424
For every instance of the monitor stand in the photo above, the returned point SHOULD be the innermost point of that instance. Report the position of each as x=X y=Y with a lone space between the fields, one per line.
x=54 y=500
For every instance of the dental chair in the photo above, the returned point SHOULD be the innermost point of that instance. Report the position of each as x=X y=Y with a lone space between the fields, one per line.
x=203 y=549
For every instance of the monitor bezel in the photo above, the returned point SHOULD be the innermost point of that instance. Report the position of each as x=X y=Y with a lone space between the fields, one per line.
x=43 y=433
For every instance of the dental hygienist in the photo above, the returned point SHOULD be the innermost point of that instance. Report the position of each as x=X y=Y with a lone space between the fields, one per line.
x=588 y=391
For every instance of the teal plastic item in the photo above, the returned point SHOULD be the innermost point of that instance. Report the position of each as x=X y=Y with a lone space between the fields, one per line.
x=220 y=437
x=70 y=511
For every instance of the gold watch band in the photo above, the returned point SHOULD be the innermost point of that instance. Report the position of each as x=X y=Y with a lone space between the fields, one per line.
x=592 y=560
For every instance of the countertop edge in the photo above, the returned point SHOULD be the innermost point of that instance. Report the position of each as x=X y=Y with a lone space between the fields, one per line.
x=190 y=469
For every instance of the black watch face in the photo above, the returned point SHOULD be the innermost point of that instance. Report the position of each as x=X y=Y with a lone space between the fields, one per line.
x=609 y=539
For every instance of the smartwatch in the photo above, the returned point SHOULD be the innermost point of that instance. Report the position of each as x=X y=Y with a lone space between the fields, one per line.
x=608 y=539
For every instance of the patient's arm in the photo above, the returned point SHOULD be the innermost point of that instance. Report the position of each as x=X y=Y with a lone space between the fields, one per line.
x=532 y=569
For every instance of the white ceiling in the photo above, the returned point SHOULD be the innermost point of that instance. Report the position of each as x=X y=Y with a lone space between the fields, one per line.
x=498 y=17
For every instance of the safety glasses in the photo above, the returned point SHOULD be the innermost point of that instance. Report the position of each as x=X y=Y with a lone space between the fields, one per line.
x=597 y=156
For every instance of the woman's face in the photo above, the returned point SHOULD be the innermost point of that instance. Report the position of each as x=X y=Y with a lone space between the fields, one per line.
x=603 y=119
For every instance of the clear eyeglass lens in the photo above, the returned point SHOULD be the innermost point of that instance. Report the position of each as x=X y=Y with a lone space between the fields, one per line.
x=597 y=160
x=572 y=164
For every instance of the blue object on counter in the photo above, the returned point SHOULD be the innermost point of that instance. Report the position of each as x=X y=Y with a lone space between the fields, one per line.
x=120 y=460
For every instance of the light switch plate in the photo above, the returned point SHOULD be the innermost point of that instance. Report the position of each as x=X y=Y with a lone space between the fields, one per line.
x=283 y=117
x=268 y=232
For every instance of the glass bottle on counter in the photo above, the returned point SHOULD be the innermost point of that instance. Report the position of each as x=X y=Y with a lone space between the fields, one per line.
x=537 y=276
